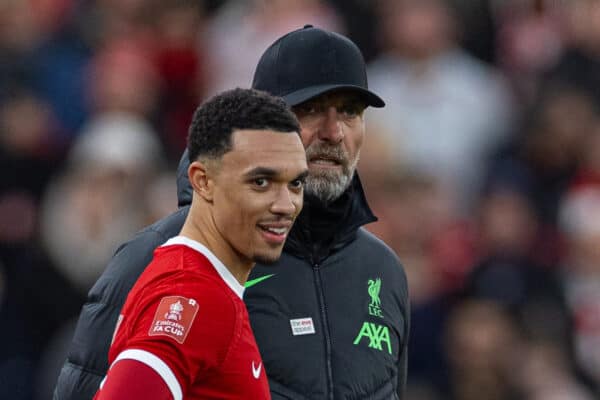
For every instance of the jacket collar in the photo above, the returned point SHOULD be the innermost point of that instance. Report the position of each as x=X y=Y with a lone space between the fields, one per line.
x=184 y=188
x=320 y=230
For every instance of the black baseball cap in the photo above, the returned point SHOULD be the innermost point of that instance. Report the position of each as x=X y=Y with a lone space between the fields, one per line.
x=308 y=62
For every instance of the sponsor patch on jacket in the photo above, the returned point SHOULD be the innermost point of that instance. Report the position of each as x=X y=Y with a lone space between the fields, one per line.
x=174 y=317
x=302 y=326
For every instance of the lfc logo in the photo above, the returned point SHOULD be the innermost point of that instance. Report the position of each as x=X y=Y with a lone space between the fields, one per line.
x=377 y=335
x=375 y=304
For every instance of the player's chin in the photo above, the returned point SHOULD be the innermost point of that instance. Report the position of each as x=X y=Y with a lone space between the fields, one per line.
x=268 y=257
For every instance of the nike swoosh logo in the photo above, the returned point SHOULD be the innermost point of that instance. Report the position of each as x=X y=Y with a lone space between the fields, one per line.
x=256 y=371
x=253 y=282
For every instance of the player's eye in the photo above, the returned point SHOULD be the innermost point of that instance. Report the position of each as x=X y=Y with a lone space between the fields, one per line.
x=297 y=184
x=261 y=182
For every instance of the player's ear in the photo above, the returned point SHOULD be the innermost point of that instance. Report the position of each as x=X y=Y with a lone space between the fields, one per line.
x=200 y=178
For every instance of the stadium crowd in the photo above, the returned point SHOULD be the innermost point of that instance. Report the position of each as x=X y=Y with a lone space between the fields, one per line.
x=483 y=168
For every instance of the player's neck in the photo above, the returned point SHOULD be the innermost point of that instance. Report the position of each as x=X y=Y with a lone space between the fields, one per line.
x=207 y=234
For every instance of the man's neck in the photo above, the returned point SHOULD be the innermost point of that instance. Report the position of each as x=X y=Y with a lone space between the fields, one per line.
x=208 y=236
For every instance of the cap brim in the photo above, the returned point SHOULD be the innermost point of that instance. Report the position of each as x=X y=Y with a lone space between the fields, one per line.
x=302 y=95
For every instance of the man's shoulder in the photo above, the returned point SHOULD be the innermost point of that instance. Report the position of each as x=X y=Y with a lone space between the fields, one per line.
x=377 y=256
x=164 y=228
x=132 y=257
x=373 y=244
x=144 y=242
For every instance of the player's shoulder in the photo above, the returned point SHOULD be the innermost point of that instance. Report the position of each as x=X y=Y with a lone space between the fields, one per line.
x=167 y=273
x=180 y=288
x=185 y=268
x=172 y=257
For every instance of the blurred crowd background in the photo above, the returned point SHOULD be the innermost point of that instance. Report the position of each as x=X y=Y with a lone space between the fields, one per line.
x=484 y=169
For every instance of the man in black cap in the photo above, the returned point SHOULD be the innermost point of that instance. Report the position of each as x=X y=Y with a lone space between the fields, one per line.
x=331 y=317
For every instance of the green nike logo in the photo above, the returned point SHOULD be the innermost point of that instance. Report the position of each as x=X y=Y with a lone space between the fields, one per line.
x=257 y=280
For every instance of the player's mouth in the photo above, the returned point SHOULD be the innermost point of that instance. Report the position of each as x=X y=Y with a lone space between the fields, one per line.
x=275 y=233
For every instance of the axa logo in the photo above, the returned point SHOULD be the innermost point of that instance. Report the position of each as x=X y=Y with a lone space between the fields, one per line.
x=375 y=304
x=377 y=335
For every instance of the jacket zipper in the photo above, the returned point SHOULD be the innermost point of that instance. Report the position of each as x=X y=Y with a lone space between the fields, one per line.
x=325 y=327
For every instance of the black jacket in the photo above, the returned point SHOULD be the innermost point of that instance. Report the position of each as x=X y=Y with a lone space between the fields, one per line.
x=320 y=333
x=328 y=284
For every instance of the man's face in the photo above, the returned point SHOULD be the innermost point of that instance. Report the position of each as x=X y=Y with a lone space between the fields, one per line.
x=258 y=191
x=333 y=129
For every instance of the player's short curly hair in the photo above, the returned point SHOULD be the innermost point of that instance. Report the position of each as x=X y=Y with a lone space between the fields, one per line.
x=215 y=121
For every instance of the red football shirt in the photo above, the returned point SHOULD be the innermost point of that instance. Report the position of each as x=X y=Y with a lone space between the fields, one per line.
x=185 y=319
